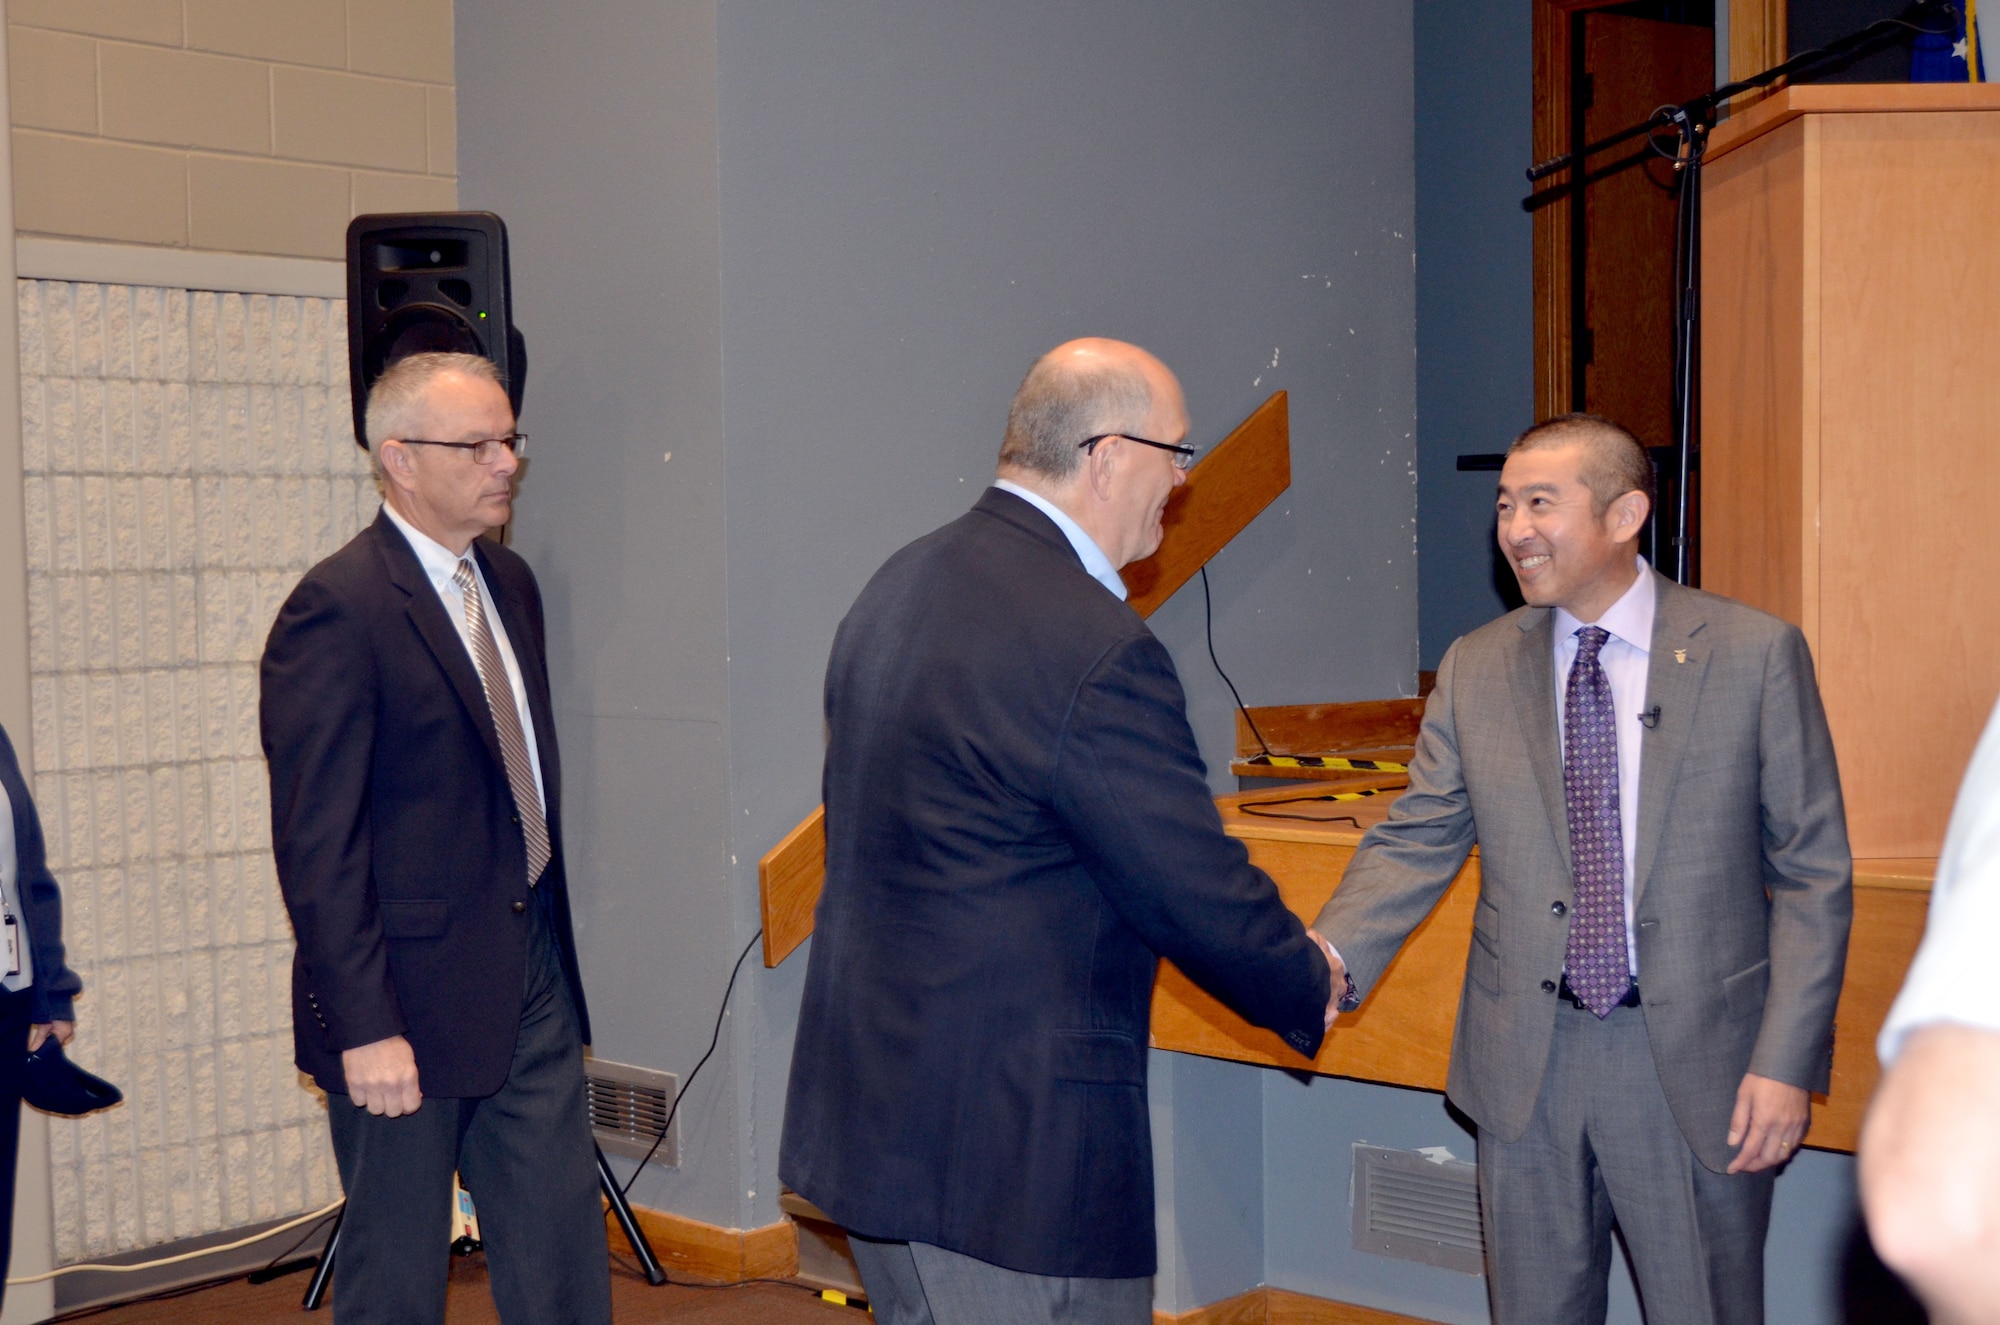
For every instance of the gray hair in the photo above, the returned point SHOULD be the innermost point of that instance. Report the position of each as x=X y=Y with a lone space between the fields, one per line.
x=398 y=398
x=1061 y=402
x=1614 y=461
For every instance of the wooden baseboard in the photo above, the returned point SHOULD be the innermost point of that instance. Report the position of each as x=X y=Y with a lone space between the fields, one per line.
x=708 y=1252
x=1275 y=1306
x=732 y=1255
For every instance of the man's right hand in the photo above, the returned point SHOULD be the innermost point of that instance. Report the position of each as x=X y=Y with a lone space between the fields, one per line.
x=1337 y=969
x=382 y=1077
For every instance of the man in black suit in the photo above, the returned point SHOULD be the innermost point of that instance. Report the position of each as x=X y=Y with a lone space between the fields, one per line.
x=415 y=813
x=1018 y=825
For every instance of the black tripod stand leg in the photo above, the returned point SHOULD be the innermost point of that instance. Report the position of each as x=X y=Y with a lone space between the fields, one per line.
x=323 y=1272
x=633 y=1233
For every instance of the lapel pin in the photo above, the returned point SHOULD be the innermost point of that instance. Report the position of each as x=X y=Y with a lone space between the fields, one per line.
x=1680 y=655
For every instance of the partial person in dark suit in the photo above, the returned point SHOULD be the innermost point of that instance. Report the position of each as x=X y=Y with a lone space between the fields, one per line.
x=36 y=988
x=1018 y=826
x=416 y=817
x=1647 y=772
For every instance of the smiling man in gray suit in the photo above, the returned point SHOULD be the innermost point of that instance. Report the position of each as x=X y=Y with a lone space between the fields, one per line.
x=1647 y=773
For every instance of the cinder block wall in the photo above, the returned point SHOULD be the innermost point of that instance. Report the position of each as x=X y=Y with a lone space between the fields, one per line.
x=187 y=457
x=247 y=126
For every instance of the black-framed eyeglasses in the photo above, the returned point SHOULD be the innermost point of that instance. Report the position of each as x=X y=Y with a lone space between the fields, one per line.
x=1183 y=455
x=485 y=451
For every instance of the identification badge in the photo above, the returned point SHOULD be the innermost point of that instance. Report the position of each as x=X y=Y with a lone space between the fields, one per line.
x=13 y=927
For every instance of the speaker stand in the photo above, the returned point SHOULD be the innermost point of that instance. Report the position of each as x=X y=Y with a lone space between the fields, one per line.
x=641 y=1246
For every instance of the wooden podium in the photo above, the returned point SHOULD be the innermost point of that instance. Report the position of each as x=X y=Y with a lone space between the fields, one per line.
x=1850 y=406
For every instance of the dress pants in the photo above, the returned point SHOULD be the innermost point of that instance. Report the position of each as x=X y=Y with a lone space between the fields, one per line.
x=914 y=1283
x=14 y=1022
x=1603 y=1147
x=523 y=1153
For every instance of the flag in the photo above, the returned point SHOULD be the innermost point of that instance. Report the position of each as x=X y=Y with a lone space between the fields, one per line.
x=1954 y=57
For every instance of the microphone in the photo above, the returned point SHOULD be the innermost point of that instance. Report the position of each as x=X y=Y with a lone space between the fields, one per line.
x=1650 y=718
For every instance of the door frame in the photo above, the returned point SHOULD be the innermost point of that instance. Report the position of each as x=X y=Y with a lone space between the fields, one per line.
x=1756 y=42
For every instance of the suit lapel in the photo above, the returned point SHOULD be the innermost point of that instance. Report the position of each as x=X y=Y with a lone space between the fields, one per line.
x=1532 y=676
x=434 y=624
x=1673 y=683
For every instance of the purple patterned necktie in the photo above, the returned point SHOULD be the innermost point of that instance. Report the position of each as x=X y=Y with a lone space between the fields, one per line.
x=1597 y=964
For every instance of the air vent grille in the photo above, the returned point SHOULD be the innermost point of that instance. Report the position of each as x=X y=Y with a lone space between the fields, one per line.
x=1416 y=1208
x=628 y=1107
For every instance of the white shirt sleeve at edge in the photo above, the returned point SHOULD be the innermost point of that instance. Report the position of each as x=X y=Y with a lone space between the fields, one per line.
x=1952 y=976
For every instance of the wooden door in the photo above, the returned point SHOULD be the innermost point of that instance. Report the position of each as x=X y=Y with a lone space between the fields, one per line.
x=1625 y=330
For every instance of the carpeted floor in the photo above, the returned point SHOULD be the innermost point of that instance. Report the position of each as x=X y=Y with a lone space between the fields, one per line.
x=633 y=1302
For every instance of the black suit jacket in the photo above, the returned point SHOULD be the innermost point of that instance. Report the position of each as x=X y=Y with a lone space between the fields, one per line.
x=398 y=848
x=1018 y=821
x=54 y=984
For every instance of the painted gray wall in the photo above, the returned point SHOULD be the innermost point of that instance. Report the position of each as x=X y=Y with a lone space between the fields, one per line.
x=616 y=262
x=1475 y=270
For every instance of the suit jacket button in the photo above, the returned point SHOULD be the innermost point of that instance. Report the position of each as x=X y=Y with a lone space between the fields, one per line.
x=1557 y=908
x=516 y=818
x=1548 y=986
x=520 y=908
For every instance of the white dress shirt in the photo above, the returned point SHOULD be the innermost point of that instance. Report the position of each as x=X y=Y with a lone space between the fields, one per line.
x=1952 y=976
x=1625 y=657
x=1093 y=557
x=441 y=564
x=10 y=896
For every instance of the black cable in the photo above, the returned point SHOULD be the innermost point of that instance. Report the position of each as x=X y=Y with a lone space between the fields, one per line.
x=1208 y=628
x=1251 y=808
x=714 y=1040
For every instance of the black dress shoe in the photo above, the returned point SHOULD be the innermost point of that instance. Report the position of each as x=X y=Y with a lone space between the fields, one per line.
x=53 y=1084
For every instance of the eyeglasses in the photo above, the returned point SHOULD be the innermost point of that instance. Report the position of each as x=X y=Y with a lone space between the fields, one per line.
x=484 y=451
x=1183 y=455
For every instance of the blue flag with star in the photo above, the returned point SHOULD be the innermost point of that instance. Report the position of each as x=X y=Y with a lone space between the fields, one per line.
x=1952 y=57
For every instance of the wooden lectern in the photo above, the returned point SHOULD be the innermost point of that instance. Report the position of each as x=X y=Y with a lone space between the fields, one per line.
x=1850 y=406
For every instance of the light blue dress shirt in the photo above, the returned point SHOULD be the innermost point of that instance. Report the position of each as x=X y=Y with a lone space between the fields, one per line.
x=1093 y=557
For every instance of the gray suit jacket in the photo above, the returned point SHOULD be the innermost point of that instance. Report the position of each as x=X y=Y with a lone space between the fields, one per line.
x=1744 y=880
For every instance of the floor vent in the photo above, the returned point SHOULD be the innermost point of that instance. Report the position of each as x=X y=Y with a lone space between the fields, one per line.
x=629 y=1106
x=1416 y=1207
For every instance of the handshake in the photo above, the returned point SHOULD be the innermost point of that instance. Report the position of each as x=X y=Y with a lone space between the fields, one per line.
x=1342 y=997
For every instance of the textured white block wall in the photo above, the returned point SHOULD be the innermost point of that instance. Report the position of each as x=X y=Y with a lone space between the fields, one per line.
x=188 y=456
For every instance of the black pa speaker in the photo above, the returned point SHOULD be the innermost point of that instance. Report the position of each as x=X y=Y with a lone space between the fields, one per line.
x=428 y=281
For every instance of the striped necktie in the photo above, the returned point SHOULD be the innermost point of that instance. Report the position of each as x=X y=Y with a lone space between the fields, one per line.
x=506 y=723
